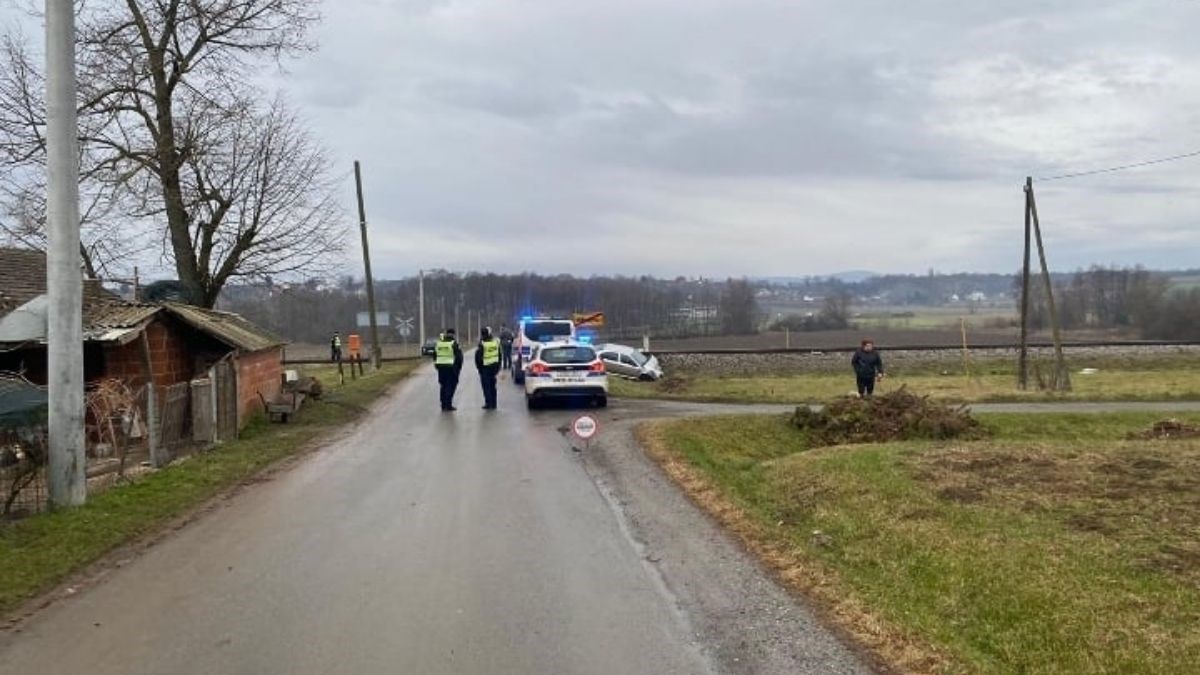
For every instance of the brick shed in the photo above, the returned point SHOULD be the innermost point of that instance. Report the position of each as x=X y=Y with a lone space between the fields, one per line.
x=176 y=344
x=257 y=356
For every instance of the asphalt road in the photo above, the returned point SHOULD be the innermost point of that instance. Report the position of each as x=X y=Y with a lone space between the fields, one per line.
x=426 y=543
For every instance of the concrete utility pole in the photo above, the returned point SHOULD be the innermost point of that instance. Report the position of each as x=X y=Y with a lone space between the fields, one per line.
x=66 y=477
x=376 y=354
x=421 y=305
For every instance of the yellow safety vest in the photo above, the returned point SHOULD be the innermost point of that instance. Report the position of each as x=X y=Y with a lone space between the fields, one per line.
x=445 y=353
x=491 y=352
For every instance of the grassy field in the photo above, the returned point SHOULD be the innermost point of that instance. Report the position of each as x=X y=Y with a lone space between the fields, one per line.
x=985 y=318
x=38 y=552
x=1054 y=547
x=1132 y=383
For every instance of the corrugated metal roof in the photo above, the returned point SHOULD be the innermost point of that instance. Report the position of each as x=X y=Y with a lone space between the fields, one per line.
x=227 y=327
x=106 y=321
x=116 y=321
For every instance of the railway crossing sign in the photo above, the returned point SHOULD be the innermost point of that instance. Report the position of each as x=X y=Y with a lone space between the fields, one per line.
x=592 y=319
x=404 y=326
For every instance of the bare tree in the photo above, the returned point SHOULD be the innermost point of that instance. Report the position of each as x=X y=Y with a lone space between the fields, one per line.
x=173 y=133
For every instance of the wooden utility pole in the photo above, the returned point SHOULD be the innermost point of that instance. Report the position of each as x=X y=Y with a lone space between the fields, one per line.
x=1062 y=378
x=1023 y=355
x=376 y=354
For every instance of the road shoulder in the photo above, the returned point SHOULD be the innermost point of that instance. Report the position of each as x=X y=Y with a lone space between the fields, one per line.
x=750 y=623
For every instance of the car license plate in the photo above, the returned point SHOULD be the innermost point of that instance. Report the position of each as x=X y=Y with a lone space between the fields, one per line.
x=568 y=378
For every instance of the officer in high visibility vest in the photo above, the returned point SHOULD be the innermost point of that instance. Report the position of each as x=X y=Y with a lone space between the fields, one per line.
x=335 y=347
x=487 y=362
x=448 y=360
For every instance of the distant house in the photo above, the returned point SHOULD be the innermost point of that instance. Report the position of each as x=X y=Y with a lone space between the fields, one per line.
x=199 y=360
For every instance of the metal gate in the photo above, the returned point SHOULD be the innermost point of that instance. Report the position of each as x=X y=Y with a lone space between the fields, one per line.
x=225 y=386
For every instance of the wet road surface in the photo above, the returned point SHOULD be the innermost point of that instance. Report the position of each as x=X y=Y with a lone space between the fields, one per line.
x=425 y=543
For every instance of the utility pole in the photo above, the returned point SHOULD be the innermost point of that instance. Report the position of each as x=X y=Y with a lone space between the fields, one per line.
x=1062 y=377
x=1023 y=355
x=66 y=473
x=376 y=354
x=421 y=305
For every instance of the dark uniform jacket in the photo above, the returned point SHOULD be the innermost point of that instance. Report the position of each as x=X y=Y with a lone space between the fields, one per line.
x=867 y=364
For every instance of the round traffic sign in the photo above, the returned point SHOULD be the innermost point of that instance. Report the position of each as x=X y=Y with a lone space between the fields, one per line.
x=585 y=427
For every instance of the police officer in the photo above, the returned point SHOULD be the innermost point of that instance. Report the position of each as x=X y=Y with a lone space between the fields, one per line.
x=487 y=362
x=448 y=360
x=506 y=345
x=335 y=347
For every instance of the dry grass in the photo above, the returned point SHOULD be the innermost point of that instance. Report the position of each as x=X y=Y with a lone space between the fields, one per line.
x=1076 y=552
x=1114 y=385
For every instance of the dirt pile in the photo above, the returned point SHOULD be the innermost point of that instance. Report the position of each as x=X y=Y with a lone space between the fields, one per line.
x=895 y=416
x=1166 y=429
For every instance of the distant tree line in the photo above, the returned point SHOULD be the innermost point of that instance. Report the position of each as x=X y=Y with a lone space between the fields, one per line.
x=833 y=315
x=680 y=307
x=1130 y=298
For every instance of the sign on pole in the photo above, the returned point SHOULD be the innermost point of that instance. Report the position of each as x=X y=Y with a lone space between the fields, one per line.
x=585 y=427
x=592 y=319
x=381 y=319
x=404 y=326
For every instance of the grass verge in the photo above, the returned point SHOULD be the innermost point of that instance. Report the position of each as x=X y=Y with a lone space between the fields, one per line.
x=41 y=551
x=1053 y=547
x=1124 y=385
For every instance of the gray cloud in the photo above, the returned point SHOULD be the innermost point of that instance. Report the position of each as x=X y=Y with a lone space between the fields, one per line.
x=759 y=136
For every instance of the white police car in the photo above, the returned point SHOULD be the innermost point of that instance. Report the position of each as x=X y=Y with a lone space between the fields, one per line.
x=532 y=333
x=566 y=371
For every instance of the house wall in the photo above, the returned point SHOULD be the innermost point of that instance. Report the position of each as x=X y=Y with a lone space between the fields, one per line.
x=171 y=360
x=258 y=372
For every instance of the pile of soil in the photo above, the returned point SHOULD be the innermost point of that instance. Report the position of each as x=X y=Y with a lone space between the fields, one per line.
x=1167 y=429
x=895 y=416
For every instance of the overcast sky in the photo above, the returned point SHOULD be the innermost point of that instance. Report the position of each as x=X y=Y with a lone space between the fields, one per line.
x=759 y=137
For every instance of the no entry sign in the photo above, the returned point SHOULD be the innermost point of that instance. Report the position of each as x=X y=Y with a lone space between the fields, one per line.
x=585 y=427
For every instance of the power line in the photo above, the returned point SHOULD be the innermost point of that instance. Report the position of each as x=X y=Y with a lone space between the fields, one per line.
x=1123 y=167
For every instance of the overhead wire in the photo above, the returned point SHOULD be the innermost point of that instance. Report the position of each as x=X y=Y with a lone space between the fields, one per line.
x=1123 y=167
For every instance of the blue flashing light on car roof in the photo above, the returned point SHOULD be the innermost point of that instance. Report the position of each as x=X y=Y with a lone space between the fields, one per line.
x=527 y=318
x=585 y=339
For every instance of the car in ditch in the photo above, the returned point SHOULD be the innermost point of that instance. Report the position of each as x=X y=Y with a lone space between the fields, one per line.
x=628 y=362
x=566 y=371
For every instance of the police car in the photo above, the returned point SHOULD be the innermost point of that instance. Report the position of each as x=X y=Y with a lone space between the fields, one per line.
x=567 y=370
x=533 y=332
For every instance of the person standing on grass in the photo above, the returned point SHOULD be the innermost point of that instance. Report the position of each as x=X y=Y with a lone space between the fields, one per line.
x=335 y=347
x=868 y=367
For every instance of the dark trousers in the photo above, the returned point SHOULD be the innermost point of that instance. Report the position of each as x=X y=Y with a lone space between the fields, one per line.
x=335 y=353
x=448 y=379
x=866 y=385
x=505 y=357
x=487 y=378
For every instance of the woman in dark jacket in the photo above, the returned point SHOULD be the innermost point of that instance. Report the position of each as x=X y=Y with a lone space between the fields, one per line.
x=868 y=367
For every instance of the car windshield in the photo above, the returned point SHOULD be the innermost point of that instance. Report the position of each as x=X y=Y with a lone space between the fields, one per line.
x=638 y=357
x=573 y=354
x=544 y=331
